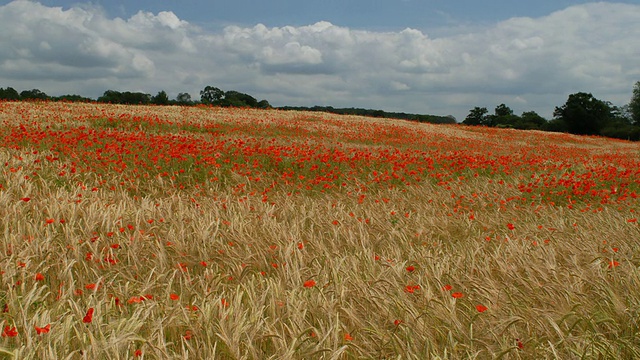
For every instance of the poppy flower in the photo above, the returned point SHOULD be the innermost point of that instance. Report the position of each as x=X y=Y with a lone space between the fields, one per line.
x=309 y=283
x=137 y=353
x=88 y=317
x=188 y=335
x=39 y=277
x=510 y=226
x=43 y=330
x=613 y=264
x=9 y=331
x=481 y=308
x=174 y=296
x=348 y=337
x=25 y=199
x=447 y=287
x=457 y=295
x=410 y=268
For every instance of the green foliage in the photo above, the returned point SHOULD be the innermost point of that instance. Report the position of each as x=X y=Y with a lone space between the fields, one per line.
x=477 y=116
x=210 y=95
x=9 y=94
x=131 y=98
x=161 y=98
x=434 y=119
x=34 y=94
x=584 y=114
x=634 y=105
x=184 y=99
x=72 y=98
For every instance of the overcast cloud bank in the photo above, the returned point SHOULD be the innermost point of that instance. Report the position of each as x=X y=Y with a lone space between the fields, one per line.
x=527 y=63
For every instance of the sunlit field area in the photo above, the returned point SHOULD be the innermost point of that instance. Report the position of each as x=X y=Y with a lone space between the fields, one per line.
x=201 y=233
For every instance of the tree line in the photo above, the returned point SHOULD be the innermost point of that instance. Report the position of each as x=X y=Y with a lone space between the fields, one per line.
x=208 y=96
x=434 y=119
x=581 y=114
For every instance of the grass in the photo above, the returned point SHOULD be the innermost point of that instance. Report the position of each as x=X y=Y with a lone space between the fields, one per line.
x=422 y=241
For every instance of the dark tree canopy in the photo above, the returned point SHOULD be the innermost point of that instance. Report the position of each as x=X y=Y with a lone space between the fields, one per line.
x=634 y=105
x=477 y=116
x=184 y=99
x=161 y=98
x=583 y=114
x=210 y=95
x=9 y=94
x=34 y=94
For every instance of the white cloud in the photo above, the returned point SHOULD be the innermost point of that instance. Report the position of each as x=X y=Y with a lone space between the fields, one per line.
x=527 y=63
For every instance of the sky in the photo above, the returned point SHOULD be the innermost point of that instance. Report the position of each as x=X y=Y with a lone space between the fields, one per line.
x=417 y=56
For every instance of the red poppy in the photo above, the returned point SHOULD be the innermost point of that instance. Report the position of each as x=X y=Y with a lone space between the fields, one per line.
x=613 y=264
x=174 y=296
x=9 y=331
x=397 y=322
x=510 y=226
x=410 y=268
x=43 y=330
x=481 y=308
x=137 y=353
x=39 y=277
x=411 y=288
x=447 y=287
x=457 y=295
x=309 y=283
x=347 y=337
x=188 y=335
x=25 y=199
x=88 y=317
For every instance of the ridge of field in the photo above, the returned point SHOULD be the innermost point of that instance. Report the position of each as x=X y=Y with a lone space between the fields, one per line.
x=195 y=232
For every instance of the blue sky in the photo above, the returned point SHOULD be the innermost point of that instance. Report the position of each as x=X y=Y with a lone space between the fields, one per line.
x=436 y=57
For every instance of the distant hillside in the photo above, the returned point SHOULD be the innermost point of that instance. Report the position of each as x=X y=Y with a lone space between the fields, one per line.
x=434 y=119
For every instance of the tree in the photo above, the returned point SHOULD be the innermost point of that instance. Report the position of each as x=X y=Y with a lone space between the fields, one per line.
x=238 y=99
x=34 y=94
x=634 y=105
x=584 y=114
x=503 y=110
x=477 y=116
x=531 y=120
x=160 y=99
x=183 y=99
x=211 y=95
x=264 y=104
x=9 y=94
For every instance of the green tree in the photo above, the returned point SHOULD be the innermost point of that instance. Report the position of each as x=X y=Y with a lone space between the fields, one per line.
x=530 y=120
x=503 y=110
x=584 y=114
x=184 y=99
x=211 y=95
x=34 y=94
x=238 y=99
x=264 y=104
x=9 y=94
x=477 y=116
x=634 y=105
x=160 y=99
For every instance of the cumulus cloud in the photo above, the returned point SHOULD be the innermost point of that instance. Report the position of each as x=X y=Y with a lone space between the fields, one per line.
x=527 y=63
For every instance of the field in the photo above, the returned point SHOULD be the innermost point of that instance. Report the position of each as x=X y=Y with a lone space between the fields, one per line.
x=200 y=233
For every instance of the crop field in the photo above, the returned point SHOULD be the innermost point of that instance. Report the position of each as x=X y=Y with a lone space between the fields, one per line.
x=200 y=233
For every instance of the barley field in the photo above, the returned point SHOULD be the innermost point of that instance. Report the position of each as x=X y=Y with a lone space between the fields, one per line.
x=210 y=233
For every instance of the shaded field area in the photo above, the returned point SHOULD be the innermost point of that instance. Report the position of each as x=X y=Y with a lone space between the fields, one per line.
x=194 y=232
